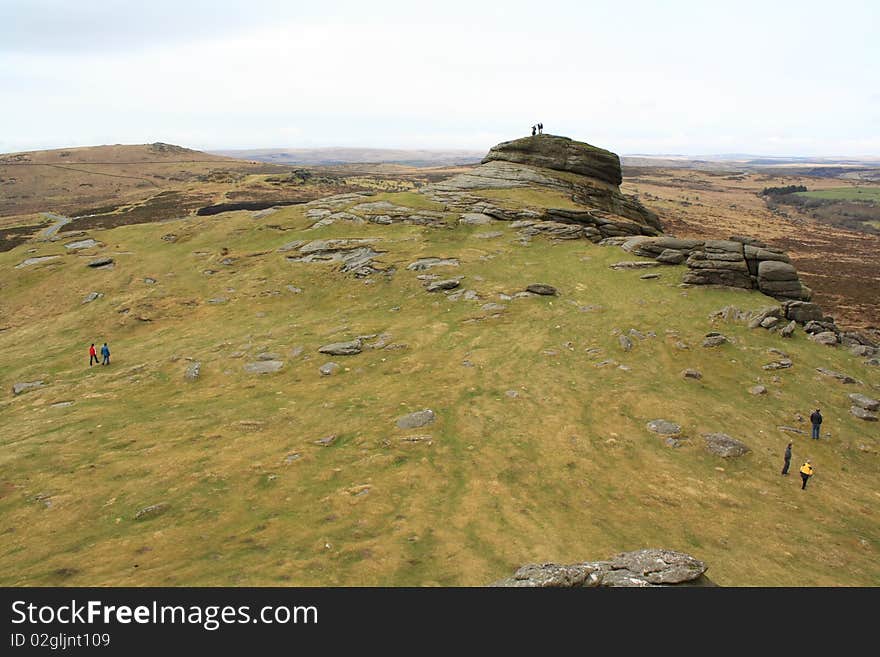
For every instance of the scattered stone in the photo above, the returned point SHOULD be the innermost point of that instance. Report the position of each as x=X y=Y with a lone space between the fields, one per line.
x=293 y=289
x=828 y=338
x=862 y=414
x=35 y=261
x=769 y=322
x=448 y=284
x=649 y=277
x=513 y=394
x=692 y=374
x=625 y=343
x=150 y=281
x=92 y=296
x=758 y=390
x=843 y=378
x=326 y=441
x=865 y=402
x=350 y=348
x=63 y=404
x=263 y=367
x=723 y=445
x=493 y=307
x=151 y=511
x=268 y=355
x=542 y=289
x=291 y=246
x=290 y=458
x=193 y=371
x=82 y=244
x=20 y=388
x=714 y=340
x=475 y=219
x=791 y=430
x=663 y=427
x=427 y=263
x=782 y=364
x=416 y=420
x=489 y=235
x=641 y=264
x=100 y=263
x=788 y=330
x=218 y=300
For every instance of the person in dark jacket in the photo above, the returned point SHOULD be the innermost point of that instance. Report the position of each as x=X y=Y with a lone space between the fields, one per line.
x=540 y=128
x=534 y=129
x=816 y=420
x=806 y=473
x=787 y=459
x=105 y=354
x=93 y=355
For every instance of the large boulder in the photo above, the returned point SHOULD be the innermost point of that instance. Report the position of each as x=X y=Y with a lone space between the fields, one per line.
x=641 y=568
x=560 y=154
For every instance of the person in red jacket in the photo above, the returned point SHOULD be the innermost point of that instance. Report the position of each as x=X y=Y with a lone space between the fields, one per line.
x=93 y=355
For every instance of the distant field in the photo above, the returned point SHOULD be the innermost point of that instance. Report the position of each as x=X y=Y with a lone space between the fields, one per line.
x=845 y=194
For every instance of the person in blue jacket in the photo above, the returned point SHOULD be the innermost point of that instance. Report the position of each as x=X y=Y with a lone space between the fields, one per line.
x=105 y=354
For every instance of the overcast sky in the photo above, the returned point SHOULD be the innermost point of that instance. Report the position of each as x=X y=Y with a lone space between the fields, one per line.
x=784 y=78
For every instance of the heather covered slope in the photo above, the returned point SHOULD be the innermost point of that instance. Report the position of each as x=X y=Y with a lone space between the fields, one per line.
x=538 y=451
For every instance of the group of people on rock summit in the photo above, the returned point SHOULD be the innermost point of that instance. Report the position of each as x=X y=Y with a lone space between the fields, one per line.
x=538 y=129
x=93 y=355
x=807 y=468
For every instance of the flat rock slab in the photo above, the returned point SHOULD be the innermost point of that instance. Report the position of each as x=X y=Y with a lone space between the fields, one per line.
x=663 y=427
x=263 y=367
x=489 y=235
x=448 y=284
x=542 y=289
x=714 y=340
x=415 y=420
x=723 y=445
x=843 y=378
x=782 y=364
x=426 y=263
x=862 y=414
x=475 y=219
x=758 y=390
x=349 y=348
x=151 y=511
x=865 y=402
x=640 y=264
x=82 y=244
x=641 y=568
x=27 y=386
x=100 y=262
x=35 y=261
x=92 y=296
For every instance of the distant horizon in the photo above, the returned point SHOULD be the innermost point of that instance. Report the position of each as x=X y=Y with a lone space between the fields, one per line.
x=463 y=151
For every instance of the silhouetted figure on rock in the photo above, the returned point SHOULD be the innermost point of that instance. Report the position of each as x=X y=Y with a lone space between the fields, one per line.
x=540 y=128
x=534 y=128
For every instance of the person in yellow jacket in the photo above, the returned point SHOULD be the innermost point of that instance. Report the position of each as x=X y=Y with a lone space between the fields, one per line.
x=806 y=473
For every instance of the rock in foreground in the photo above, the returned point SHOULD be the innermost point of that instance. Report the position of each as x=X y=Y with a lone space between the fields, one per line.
x=642 y=568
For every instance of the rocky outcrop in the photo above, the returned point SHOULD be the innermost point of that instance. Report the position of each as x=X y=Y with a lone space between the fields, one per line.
x=641 y=568
x=560 y=154
x=353 y=255
x=736 y=262
x=588 y=175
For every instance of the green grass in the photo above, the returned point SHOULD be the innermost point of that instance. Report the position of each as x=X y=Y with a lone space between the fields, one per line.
x=867 y=194
x=565 y=471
